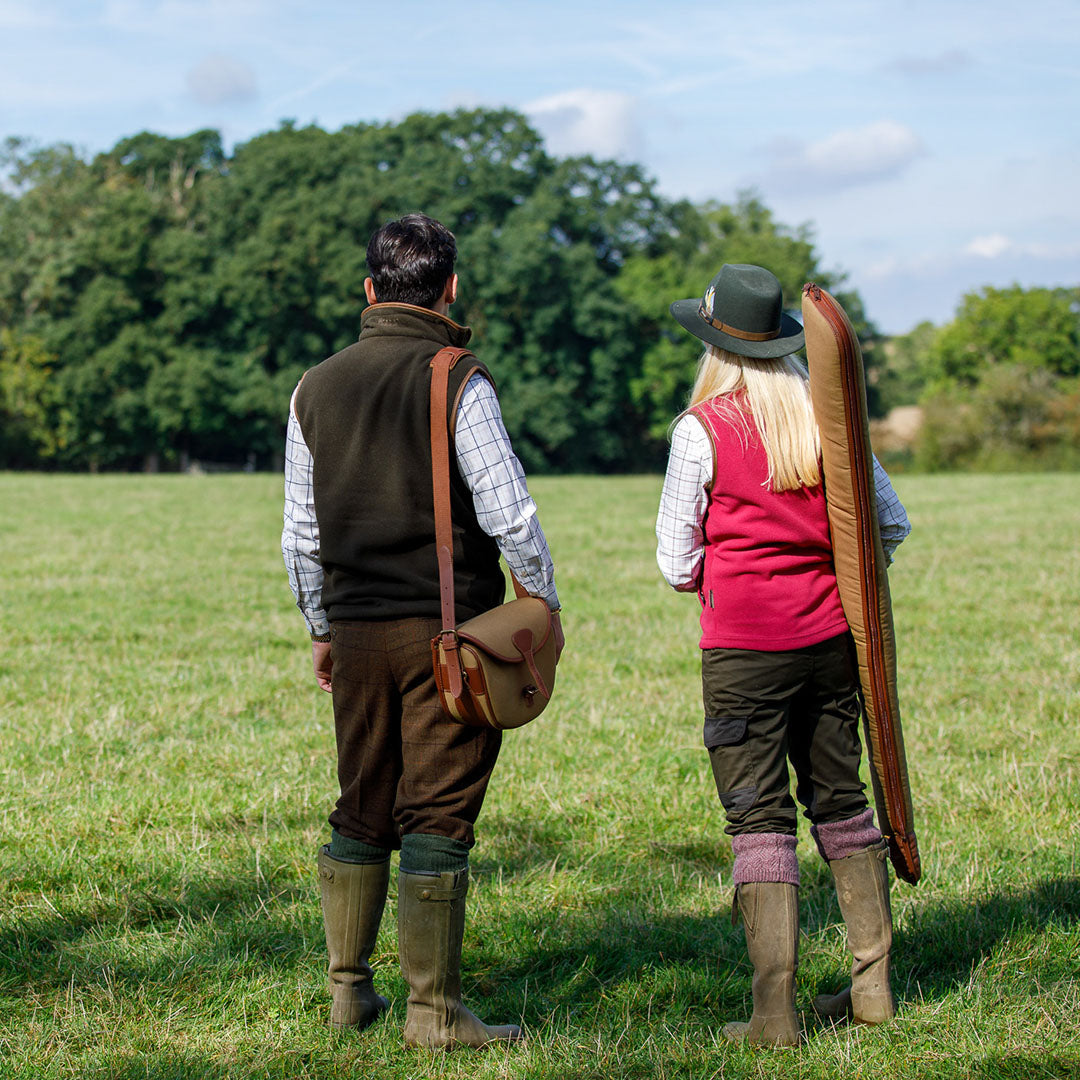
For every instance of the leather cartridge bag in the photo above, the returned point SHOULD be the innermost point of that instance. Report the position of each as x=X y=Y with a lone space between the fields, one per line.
x=498 y=669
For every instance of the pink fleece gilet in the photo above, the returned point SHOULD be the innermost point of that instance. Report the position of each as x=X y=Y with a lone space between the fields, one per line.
x=768 y=581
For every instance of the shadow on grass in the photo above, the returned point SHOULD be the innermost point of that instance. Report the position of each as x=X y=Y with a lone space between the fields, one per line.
x=604 y=963
x=330 y=1064
x=215 y=925
x=170 y=1065
x=581 y=955
x=1006 y=1066
x=1002 y=1065
x=571 y=958
x=940 y=945
x=995 y=1066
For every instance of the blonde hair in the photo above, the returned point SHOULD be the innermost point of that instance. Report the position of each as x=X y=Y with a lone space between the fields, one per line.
x=776 y=396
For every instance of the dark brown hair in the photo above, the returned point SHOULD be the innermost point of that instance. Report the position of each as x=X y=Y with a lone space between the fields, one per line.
x=411 y=260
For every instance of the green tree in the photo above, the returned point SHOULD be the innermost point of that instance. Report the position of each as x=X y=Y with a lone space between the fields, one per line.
x=540 y=242
x=92 y=276
x=541 y=287
x=1001 y=382
x=1015 y=417
x=904 y=369
x=179 y=292
x=1031 y=328
x=32 y=427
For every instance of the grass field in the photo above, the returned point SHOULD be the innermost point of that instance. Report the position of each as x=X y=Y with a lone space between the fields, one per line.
x=166 y=769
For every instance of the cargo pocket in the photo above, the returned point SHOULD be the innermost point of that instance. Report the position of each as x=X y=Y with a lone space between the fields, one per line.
x=732 y=764
x=724 y=731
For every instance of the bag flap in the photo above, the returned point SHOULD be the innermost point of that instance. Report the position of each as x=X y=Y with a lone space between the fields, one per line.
x=494 y=630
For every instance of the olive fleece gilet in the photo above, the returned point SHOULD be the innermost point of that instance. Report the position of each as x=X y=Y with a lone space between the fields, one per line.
x=365 y=416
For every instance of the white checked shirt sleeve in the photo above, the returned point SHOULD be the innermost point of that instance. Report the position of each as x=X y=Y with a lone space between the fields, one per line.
x=300 y=535
x=892 y=517
x=680 y=543
x=504 y=507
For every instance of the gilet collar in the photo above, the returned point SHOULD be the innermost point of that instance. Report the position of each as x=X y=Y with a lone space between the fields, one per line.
x=407 y=320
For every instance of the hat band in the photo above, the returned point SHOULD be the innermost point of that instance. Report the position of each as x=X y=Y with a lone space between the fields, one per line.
x=734 y=331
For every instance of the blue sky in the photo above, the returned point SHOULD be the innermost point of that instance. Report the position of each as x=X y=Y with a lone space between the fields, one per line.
x=933 y=146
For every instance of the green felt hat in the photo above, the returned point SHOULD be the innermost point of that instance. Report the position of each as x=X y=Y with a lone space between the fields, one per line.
x=742 y=311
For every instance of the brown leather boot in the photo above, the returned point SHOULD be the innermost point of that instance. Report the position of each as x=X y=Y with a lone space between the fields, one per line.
x=770 y=915
x=353 y=896
x=431 y=925
x=862 y=887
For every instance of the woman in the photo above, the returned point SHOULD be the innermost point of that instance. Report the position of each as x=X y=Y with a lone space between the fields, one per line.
x=743 y=523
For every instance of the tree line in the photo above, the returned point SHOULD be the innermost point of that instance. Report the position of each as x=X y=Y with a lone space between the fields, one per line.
x=159 y=301
x=999 y=385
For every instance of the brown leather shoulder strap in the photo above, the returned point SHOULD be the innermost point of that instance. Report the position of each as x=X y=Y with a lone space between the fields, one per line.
x=441 y=364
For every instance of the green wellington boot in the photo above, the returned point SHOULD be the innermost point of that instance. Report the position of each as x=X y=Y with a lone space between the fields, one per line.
x=770 y=915
x=862 y=887
x=353 y=896
x=431 y=925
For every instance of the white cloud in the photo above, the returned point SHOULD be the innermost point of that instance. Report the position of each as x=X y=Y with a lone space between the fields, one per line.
x=879 y=151
x=598 y=122
x=871 y=153
x=218 y=80
x=994 y=246
x=989 y=247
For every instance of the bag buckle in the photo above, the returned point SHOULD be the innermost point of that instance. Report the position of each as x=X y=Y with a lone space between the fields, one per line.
x=450 y=643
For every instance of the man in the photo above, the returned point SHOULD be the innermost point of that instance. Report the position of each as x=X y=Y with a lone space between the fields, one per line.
x=359 y=546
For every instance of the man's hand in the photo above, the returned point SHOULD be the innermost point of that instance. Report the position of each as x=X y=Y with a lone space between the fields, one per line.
x=560 y=638
x=322 y=663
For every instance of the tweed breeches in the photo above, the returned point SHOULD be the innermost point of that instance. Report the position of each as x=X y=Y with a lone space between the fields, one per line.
x=403 y=765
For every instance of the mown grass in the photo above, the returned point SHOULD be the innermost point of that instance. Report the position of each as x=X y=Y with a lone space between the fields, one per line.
x=166 y=768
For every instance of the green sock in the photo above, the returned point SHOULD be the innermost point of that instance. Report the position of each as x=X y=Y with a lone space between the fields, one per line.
x=344 y=849
x=425 y=853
